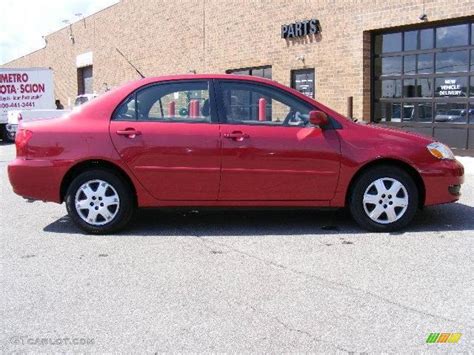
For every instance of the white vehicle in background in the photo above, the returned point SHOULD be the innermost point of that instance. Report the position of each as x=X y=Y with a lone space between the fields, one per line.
x=27 y=94
x=17 y=117
x=82 y=99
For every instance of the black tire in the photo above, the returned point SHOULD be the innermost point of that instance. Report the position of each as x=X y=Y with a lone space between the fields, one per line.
x=387 y=173
x=126 y=205
x=8 y=137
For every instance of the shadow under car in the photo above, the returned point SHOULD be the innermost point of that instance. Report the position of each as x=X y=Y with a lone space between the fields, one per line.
x=257 y=222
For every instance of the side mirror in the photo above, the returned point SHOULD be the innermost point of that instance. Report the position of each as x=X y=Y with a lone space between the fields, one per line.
x=318 y=118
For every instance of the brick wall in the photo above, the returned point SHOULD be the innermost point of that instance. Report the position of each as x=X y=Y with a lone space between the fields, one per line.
x=166 y=37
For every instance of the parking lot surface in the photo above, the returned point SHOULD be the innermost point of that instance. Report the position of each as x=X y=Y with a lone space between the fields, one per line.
x=221 y=281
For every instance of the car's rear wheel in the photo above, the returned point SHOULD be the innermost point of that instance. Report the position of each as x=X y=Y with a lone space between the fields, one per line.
x=100 y=202
x=384 y=199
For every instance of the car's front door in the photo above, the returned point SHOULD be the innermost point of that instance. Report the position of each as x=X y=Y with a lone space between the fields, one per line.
x=167 y=135
x=269 y=150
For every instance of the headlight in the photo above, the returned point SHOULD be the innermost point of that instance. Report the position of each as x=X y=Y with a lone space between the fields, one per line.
x=440 y=151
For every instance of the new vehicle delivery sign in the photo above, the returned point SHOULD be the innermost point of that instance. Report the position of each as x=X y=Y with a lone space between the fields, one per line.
x=25 y=89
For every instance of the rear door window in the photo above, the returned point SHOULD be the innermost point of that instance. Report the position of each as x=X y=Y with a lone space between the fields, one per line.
x=168 y=102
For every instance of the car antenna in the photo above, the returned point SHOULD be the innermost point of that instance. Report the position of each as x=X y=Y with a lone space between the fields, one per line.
x=131 y=64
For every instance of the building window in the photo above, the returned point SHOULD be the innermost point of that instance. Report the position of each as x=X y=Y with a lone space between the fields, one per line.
x=423 y=75
x=263 y=72
x=303 y=81
x=423 y=79
x=84 y=80
x=452 y=36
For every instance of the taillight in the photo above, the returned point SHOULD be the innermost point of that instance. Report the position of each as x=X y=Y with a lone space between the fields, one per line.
x=21 y=141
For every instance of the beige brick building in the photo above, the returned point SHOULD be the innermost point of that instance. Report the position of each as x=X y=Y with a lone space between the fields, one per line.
x=346 y=59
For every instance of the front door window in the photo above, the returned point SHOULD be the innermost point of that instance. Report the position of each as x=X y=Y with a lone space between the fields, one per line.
x=260 y=105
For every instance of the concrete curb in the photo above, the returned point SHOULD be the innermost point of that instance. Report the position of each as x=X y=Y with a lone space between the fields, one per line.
x=468 y=163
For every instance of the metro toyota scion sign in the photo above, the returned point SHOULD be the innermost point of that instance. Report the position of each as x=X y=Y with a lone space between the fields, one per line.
x=301 y=29
x=25 y=89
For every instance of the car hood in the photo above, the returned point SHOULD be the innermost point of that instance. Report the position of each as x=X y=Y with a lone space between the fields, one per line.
x=367 y=142
x=396 y=134
x=373 y=135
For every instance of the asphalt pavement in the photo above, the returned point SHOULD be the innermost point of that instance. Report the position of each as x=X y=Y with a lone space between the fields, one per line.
x=234 y=281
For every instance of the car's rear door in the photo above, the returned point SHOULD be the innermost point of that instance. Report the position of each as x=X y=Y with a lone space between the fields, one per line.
x=269 y=150
x=168 y=136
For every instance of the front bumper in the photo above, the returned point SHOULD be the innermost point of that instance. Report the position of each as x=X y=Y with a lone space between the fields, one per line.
x=37 y=179
x=443 y=182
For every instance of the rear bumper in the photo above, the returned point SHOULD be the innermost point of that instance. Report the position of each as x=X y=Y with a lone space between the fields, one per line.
x=37 y=179
x=443 y=182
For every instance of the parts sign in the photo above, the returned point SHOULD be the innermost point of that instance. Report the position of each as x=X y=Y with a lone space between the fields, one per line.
x=301 y=29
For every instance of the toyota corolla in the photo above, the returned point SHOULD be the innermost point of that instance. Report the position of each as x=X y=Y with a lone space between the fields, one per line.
x=229 y=141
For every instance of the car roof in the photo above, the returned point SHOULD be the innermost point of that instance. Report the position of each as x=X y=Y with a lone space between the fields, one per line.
x=133 y=85
x=177 y=77
x=113 y=97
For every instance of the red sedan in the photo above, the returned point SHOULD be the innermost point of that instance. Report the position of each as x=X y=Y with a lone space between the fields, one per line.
x=226 y=140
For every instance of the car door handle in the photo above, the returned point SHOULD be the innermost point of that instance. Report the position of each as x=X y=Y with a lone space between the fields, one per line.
x=237 y=136
x=129 y=132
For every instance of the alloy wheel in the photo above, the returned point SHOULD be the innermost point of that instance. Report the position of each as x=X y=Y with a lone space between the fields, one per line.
x=97 y=202
x=385 y=200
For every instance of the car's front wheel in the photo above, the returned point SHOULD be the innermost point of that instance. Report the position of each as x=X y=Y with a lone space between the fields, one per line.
x=100 y=202
x=384 y=199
